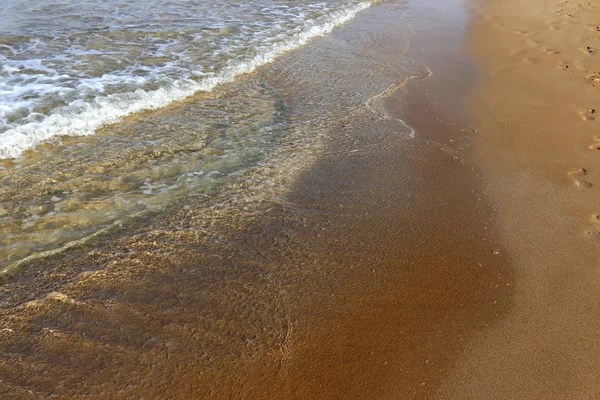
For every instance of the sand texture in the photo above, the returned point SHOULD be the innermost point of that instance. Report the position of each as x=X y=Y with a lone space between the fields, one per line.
x=435 y=235
x=360 y=270
x=537 y=114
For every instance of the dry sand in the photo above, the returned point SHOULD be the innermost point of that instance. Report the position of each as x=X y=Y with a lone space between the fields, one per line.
x=536 y=112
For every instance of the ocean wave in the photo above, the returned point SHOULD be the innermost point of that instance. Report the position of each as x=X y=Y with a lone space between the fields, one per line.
x=83 y=116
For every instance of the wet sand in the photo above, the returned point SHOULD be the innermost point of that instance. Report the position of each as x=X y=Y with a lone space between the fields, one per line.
x=364 y=273
x=535 y=112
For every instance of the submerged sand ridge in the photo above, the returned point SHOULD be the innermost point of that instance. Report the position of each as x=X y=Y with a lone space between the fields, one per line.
x=353 y=262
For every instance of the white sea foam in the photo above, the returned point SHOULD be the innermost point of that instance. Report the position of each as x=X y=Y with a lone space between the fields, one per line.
x=90 y=110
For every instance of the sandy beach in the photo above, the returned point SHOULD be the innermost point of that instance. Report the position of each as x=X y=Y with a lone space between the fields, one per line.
x=435 y=236
x=535 y=110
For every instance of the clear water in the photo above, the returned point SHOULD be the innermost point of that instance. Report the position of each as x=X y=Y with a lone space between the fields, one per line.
x=112 y=113
x=70 y=68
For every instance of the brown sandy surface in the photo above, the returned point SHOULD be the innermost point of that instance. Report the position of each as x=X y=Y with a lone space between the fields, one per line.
x=361 y=275
x=537 y=115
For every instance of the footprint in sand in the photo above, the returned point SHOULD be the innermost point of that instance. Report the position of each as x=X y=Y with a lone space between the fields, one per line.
x=578 y=177
x=596 y=146
x=595 y=231
x=593 y=78
x=588 y=115
x=593 y=28
x=564 y=66
x=551 y=51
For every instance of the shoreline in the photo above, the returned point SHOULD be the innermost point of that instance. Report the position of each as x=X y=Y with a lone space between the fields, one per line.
x=368 y=279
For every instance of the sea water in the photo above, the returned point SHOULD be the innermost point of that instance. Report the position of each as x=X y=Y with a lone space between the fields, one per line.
x=68 y=68
x=114 y=112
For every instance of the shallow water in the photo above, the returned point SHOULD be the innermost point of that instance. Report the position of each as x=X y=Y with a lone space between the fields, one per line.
x=64 y=194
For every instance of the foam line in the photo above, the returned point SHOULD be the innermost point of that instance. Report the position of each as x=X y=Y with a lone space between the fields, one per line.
x=81 y=118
